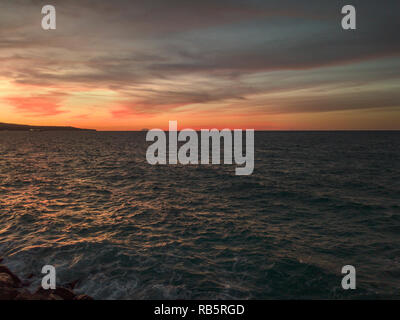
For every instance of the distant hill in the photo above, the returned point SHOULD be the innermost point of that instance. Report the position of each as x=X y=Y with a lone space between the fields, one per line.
x=21 y=127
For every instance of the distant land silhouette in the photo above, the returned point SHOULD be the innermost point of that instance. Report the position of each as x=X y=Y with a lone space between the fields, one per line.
x=22 y=127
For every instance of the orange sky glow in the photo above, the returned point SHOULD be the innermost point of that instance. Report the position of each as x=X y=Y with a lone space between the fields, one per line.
x=258 y=67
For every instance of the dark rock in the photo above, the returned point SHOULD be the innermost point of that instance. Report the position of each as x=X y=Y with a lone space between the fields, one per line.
x=55 y=297
x=83 y=297
x=6 y=280
x=24 y=295
x=31 y=296
x=8 y=293
x=41 y=292
x=17 y=281
x=11 y=288
x=64 y=293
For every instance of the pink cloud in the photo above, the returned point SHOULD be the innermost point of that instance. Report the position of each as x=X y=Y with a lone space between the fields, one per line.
x=40 y=105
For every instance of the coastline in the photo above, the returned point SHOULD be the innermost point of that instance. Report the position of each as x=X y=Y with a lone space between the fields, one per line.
x=13 y=288
x=30 y=128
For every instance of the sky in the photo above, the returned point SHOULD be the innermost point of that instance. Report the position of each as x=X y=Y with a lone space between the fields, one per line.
x=265 y=65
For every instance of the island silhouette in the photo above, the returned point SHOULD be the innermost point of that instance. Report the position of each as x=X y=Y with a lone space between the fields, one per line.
x=23 y=127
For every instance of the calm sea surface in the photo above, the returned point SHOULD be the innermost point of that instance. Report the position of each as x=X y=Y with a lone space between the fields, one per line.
x=89 y=204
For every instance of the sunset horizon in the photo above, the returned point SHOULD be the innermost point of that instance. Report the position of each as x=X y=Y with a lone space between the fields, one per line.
x=200 y=158
x=237 y=65
x=165 y=128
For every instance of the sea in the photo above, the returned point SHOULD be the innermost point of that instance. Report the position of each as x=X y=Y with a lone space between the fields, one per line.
x=89 y=204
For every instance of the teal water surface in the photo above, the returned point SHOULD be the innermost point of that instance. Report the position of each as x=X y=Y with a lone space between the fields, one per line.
x=89 y=204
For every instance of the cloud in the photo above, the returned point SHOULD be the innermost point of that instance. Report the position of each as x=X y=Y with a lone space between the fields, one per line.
x=39 y=105
x=161 y=56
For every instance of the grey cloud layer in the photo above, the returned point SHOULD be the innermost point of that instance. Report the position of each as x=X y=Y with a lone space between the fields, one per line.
x=124 y=45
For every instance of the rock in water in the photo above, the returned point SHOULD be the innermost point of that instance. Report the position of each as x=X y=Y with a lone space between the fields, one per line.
x=83 y=297
x=8 y=293
x=11 y=288
x=17 y=281
x=64 y=293
x=6 y=280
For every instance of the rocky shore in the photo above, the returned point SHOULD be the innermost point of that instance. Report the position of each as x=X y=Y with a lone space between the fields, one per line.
x=13 y=288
